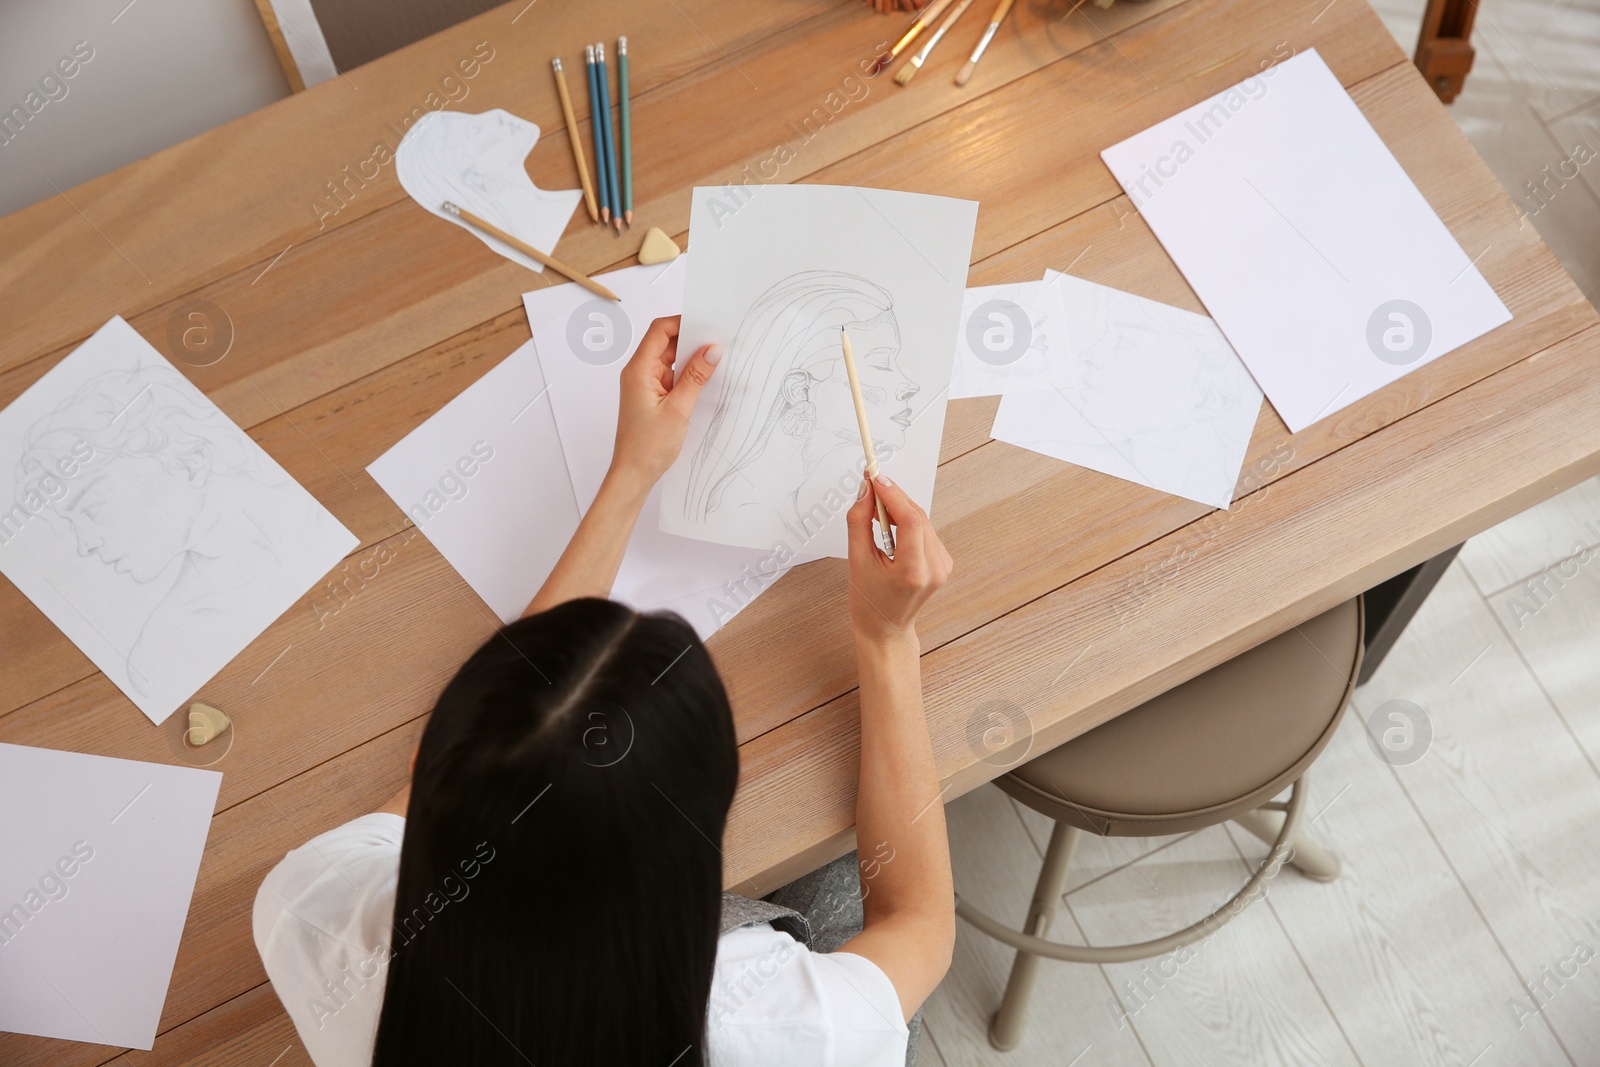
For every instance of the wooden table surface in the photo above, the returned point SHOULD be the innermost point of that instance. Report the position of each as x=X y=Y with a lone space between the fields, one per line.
x=1076 y=596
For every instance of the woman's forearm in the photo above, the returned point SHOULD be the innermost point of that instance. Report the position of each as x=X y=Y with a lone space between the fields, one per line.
x=589 y=565
x=900 y=829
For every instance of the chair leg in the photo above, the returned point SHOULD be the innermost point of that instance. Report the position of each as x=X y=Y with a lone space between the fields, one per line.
x=1306 y=856
x=1005 y=1029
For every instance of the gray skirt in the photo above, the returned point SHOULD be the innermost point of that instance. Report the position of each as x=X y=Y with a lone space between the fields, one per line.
x=821 y=910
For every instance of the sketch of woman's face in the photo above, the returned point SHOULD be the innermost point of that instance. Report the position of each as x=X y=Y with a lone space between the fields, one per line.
x=1126 y=362
x=884 y=386
x=134 y=514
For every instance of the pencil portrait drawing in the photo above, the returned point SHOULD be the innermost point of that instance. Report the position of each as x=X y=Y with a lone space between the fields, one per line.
x=783 y=435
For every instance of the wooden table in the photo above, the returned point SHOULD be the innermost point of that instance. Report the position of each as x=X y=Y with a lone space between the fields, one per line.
x=1076 y=596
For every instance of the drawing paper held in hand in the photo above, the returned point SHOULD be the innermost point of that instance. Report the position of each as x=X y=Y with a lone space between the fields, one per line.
x=583 y=345
x=774 y=456
x=153 y=531
x=1316 y=254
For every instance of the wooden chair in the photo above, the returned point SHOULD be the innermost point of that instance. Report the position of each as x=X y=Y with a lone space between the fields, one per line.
x=318 y=39
x=1218 y=747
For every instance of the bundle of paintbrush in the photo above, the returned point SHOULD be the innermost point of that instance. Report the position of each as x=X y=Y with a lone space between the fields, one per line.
x=927 y=16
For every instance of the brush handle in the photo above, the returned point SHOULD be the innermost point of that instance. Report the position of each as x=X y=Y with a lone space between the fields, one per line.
x=949 y=20
x=884 y=531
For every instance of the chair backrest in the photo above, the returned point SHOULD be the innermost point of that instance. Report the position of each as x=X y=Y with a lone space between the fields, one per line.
x=318 y=39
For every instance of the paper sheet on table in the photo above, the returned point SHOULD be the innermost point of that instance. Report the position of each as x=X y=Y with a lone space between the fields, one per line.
x=583 y=344
x=97 y=864
x=484 y=481
x=146 y=525
x=1145 y=392
x=1006 y=337
x=1309 y=245
x=476 y=162
x=774 y=454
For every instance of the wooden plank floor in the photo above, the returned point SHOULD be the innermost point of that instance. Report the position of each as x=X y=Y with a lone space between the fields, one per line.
x=1076 y=595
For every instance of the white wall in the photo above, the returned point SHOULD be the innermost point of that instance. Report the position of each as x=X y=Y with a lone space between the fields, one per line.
x=162 y=71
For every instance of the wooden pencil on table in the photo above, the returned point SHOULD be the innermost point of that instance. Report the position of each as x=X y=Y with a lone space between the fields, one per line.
x=605 y=129
x=599 y=142
x=626 y=139
x=964 y=75
x=575 y=138
x=885 y=532
x=927 y=15
x=909 y=71
x=526 y=249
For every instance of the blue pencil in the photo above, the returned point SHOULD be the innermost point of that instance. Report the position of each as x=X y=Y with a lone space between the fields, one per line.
x=595 y=128
x=605 y=129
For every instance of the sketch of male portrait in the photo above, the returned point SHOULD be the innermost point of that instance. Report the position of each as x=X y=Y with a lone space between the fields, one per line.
x=1157 y=388
x=783 y=435
x=165 y=491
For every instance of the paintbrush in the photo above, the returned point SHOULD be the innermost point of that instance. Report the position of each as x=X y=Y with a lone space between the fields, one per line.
x=909 y=71
x=929 y=13
x=964 y=75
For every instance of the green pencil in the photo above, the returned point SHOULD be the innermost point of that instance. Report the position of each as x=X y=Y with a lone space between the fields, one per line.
x=625 y=131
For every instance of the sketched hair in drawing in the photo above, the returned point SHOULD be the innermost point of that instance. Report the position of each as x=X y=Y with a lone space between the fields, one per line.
x=786 y=404
x=162 y=488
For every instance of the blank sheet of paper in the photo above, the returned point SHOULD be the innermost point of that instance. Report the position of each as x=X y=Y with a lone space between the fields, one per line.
x=1144 y=391
x=97 y=864
x=583 y=344
x=1007 y=335
x=1295 y=225
x=774 y=454
x=485 y=482
x=144 y=523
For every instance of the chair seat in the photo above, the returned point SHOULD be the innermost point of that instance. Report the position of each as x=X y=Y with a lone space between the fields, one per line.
x=1214 y=747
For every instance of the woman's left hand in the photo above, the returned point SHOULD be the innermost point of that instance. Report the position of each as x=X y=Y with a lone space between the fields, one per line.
x=654 y=413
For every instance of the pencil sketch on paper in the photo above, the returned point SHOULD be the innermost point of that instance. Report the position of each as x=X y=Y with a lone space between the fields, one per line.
x=783 y=447
x=478 y=162
x=1151 y=393
x=158 y=486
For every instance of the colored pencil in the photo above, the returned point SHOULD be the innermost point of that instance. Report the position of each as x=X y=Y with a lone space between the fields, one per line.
x=909 y=71
x=524 y=247
x=1002 y=9
x=605 y=129
x=627 y=131
x=599 y=142
x=885 y=532
x=575 y=138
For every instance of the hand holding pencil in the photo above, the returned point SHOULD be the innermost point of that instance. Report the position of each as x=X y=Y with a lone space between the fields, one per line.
x=887 y=593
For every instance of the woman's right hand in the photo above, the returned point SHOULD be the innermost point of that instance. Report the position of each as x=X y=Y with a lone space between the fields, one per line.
x=886 y=594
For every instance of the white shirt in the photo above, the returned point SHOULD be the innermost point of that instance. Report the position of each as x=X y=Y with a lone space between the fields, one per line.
x=322 y=924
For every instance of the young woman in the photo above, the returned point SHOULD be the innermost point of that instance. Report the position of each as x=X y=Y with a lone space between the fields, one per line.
x=548 y=888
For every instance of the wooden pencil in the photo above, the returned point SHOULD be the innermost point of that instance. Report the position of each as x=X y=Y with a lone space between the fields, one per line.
x=626 y=131
x=599 y=142
x=885 y=532
x=576 y=139
x=524 y=247
x=1002 y=9
x=604 y=78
